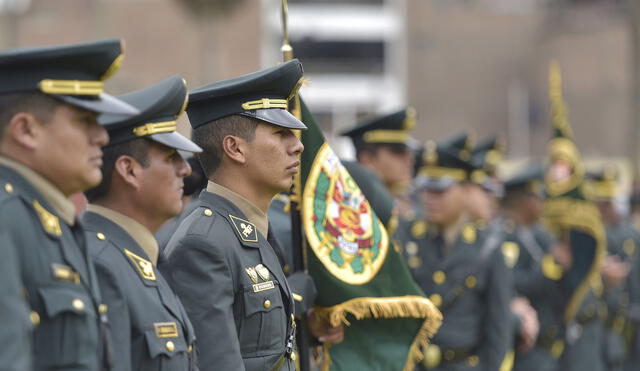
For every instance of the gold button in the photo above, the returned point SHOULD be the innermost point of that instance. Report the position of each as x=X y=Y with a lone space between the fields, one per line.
x=101 y=236
x=473 y=361
x=35 y=318
x=170 y=346
x=8 y=187
x=190 y=349
x=293 y=356
x=77 y=304
x=449 y=354
x=470 y=282
x=436 y=299
x=102 y=308
x=267 y=304
x=414 y=262
x=208 y=212
x=439 y=277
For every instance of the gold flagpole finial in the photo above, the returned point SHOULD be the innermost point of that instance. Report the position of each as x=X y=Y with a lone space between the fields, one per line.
x=286 y=49
x=558 y=107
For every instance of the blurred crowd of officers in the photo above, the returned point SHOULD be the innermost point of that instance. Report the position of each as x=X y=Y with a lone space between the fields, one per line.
x=174 y=264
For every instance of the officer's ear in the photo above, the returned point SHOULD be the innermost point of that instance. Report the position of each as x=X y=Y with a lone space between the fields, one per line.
x=129 y=170
x=25 y=130
x=235 y=148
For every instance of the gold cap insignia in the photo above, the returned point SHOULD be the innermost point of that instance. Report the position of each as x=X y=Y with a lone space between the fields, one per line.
x=263 y=272
x=251 y=271
x=245 y=229
x=145 y=267
x=50 y=222
x=511 y=251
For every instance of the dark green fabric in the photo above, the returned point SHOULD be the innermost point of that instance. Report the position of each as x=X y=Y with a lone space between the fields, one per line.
x=367 y=343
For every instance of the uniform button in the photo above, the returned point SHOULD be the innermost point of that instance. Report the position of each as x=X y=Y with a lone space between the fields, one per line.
x=267 y=304
x=102 y=308
x=449 y=354
x=439 y=277
x=8 y=187
x=436 y=299
x=77 y=304
x=190 y=349
x=473 y=361
x=170 y=346
x=101 y=236
x=35 y=318
x=208 y=212
x=293 y=356
x=470 y=282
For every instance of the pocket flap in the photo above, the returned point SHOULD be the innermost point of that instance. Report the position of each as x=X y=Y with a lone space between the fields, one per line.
x=64 y=299
x=169 y=346
x=261 y=301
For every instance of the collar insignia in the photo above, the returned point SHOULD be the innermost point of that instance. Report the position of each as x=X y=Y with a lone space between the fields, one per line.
x=263 y=272
x=246 y=230
x=511 y=251
x=50 y=222
x=251 y=271
x=145 y=267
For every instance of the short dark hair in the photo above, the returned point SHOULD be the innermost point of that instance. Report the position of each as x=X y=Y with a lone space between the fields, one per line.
x=209 y=137
x=137 y=148
x=39 y=104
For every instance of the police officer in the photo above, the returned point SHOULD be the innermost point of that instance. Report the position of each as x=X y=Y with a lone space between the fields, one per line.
x=622 y=239
x=537 y=272
x=460 y=266
x=141 y=188
x=221 y=260
x=51 y=148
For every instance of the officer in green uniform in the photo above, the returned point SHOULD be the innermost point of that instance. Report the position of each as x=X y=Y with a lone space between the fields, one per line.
x=622 y=240
x=221 y=260
x=460 y=266
x=536 y=273
x=51 y=148
x=141 y=188
x=385 y=160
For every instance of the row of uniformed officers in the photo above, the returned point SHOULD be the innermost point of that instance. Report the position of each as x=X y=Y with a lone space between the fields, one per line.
x=95 y=292
x=477 y=247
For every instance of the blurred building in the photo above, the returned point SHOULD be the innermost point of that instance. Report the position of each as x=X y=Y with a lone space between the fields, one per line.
x=478 y=64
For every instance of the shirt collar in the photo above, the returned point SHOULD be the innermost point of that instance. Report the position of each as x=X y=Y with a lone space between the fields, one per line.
x=251 y=211
x=51 y=194
x=137 y=231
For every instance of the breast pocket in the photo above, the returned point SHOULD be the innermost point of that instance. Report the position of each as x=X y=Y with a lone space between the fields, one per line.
x=263 y=328
x=68 y=335
x=166 y=353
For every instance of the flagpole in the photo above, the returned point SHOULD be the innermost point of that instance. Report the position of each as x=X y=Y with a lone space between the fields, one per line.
x=295 y=197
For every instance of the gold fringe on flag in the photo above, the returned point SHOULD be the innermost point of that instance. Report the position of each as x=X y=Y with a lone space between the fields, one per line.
x=390 y=307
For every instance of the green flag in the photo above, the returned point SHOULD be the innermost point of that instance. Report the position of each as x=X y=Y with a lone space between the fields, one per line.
x=568 y=213
x=361 y=278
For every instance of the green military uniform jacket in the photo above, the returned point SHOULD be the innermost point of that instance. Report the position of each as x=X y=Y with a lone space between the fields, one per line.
x=15 y=337
x=233 y=287
x=58 y=278
x=149 y=327
x=536 y=277
x=471 y=284
x=622 y=242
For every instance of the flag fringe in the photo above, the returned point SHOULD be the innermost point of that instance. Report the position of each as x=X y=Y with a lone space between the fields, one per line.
x=391 y=307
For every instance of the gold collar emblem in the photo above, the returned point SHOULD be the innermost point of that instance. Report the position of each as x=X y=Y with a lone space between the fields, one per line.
x=145 y=267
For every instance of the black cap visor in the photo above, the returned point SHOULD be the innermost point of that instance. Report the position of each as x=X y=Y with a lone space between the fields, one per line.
x=424 y=183
x=104 y=104
x=278 y=117
x=175 y=140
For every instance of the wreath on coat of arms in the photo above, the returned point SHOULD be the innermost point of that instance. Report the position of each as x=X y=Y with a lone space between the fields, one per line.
x=341 y=227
